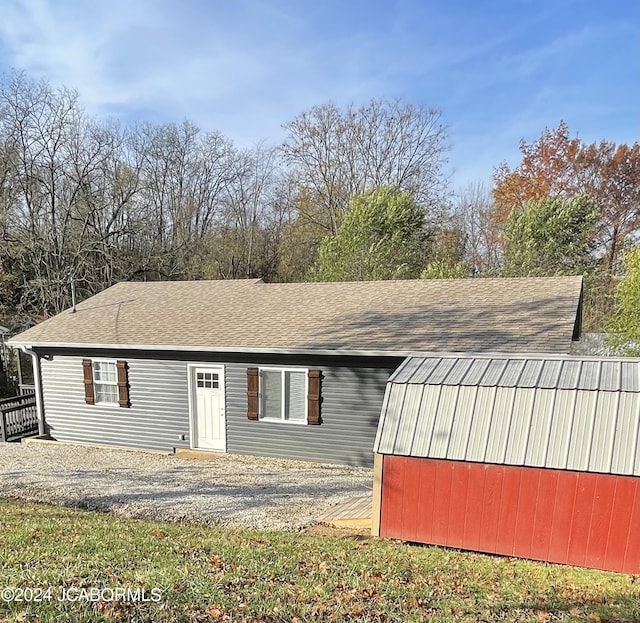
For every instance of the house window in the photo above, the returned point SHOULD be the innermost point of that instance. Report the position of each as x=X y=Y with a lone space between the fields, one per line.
x=283 y=395
x=105 y=382
x=208 y=380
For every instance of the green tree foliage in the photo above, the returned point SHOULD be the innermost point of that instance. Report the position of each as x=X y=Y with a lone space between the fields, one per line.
x=439 y=269
x=383 y=236
x=550 y=236
x=624 y=324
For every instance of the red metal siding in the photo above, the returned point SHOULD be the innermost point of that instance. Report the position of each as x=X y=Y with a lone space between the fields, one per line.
x=575 y=518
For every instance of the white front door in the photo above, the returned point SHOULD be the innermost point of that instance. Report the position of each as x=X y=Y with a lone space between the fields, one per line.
x=207 y=412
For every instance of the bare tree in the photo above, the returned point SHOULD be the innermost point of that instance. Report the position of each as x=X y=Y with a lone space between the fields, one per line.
x=473 y=208
x=336 y=154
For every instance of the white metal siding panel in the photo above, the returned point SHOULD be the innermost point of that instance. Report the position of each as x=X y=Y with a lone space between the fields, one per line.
x=411 y=405
x=561 y=425
x=500 y=423
x=582 y=431
x=426 y=419
x=395 y=404
x=625 y=449
x=540 y=427
x=463 y=418
x=520 y=426
x=443 y=422
x=480 y=424
x=604 y=428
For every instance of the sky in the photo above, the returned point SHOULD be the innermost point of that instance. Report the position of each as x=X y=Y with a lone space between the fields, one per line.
x=499 y=70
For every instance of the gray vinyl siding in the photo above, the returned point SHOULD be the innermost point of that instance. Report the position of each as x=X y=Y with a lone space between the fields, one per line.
x=351 y=401
x=159 y=410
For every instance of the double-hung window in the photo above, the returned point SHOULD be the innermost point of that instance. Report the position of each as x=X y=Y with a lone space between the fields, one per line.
x=105 y=382
x=283 y=395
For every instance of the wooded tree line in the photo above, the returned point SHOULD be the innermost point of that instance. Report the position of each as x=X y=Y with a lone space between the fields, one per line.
x=352 y=193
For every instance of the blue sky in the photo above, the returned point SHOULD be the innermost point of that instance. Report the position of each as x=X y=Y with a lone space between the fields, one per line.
x=500 y=70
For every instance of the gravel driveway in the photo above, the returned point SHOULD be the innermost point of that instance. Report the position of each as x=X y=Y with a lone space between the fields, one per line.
x=234 y=490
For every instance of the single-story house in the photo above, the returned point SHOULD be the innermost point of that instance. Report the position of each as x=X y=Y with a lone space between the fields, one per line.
x=290 y=370
x=536 y=456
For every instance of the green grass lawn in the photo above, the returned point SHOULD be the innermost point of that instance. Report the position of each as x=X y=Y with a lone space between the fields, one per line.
x=204 y=574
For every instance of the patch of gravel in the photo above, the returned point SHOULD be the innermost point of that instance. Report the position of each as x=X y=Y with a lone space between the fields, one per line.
x=233 y=490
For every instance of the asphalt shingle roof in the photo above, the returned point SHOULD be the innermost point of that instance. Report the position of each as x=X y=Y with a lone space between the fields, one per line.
x=471 y=315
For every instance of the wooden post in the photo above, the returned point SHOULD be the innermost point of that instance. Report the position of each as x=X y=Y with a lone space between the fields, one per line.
x=3 y=427
x=376 y=506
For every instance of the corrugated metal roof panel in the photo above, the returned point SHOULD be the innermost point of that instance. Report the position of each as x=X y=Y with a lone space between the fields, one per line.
x=550 y=374
x=476 y=372
x=459 y=371
x=630 y=374
x=629 y=377
x=589 y=375
x=610 y=376
x=540 y=412
x=604 y=374
x=511 y=372
x=531 y=373
x=570 y=375
x=439 y=373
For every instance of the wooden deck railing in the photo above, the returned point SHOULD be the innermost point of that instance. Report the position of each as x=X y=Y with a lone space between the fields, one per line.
x=18 y=417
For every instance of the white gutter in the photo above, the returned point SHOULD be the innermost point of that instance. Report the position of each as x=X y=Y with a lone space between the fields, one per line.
x=37 y=381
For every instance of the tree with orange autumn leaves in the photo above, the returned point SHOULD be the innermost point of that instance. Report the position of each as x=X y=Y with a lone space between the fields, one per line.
x=560 y=166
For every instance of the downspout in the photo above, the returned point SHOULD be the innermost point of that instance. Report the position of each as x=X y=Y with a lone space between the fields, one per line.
x=37 y=381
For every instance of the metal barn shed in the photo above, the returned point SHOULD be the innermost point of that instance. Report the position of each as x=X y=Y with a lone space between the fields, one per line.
x=536 y=457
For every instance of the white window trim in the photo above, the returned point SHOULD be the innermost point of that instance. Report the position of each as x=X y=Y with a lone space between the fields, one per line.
x=105 y=403
x=281 y=419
